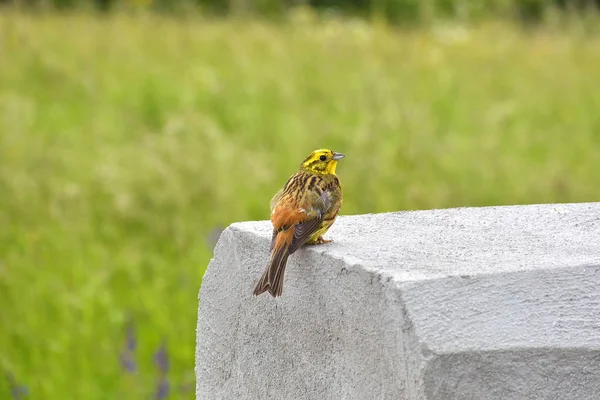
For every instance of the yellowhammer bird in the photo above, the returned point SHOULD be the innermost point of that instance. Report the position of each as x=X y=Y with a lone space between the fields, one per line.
x=301 y=213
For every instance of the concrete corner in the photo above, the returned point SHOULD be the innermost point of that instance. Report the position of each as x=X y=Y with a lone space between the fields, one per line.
x=468 y=303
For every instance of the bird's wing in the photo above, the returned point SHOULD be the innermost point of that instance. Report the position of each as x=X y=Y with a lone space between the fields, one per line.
x=304 y=230
x=304 y=222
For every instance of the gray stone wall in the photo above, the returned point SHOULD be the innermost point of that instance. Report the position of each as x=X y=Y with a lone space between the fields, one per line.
x=468 y=303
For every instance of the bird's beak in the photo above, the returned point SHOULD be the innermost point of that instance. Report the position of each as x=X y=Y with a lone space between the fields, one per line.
x=338 y=156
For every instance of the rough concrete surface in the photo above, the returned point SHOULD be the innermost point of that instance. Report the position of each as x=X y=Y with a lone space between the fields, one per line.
x=468 y=303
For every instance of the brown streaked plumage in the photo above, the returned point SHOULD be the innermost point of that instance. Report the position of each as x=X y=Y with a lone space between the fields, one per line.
x=301 y=212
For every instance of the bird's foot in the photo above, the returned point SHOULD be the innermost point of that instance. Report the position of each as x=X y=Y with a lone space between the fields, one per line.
x=320 y=240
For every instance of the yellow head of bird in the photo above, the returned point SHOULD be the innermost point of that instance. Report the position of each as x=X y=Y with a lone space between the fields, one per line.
x=322 y=161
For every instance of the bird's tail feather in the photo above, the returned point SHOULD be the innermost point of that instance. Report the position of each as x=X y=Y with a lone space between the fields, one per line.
x=272 y=279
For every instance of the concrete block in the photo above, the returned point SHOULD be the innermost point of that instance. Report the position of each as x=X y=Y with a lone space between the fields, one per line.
x=467 y=303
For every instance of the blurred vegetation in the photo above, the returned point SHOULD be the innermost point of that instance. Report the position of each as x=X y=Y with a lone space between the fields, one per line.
x=396 y=11
x=128 y=141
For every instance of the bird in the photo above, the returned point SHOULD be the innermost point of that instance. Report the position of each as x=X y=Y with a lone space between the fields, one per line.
x=301 y=213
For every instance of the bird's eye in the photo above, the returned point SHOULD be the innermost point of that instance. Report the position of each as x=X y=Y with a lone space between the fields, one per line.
x=323 y=158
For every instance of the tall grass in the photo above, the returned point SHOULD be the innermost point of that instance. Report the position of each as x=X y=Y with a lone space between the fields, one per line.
x=126 y=142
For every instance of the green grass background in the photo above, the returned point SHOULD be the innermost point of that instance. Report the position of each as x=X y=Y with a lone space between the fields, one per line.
x=125 y=140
